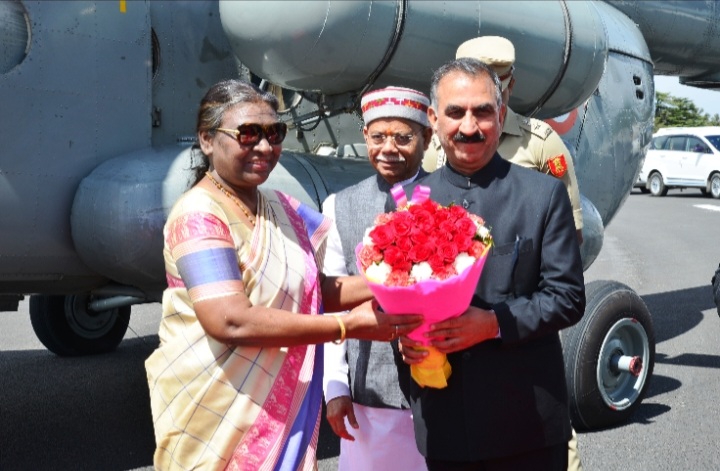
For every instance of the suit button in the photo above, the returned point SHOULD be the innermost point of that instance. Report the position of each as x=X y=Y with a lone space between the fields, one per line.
x=466 y=356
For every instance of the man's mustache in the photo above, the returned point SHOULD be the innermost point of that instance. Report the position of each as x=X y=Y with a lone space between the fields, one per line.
x=477 y=137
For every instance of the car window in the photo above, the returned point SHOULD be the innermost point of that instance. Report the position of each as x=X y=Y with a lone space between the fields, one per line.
x=715 y=141
x=677 y=143
x=696 y=145
x=658 y=142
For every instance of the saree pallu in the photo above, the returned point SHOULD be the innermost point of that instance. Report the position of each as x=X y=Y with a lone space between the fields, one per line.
x=241 y=408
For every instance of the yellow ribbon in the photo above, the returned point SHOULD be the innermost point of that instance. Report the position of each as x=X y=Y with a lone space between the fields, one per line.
x=434 y=370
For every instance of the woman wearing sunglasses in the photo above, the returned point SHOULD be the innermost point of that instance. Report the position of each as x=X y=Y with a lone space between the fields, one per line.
x=236 y=380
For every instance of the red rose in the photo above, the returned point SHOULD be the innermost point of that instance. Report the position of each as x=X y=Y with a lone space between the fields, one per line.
x=405 y=266
x=419 y=236
x=448 y=251
x=440 y=237
x=463 y=242
x=441 y=215
x=465 y=226
x=448 y=227
x=404 y=243
x=382 y=236
x=403 y=223
x=457 y=211
x=437 y=262
x=416 y=208
x=430 y=206
x=426 y=206
x=423 y=219
x=421 y=252
x=396 y=258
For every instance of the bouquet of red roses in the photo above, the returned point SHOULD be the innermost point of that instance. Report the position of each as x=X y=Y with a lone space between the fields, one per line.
x=424 y=258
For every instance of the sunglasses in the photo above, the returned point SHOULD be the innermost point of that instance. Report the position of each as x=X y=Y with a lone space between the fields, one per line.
x=250 y=134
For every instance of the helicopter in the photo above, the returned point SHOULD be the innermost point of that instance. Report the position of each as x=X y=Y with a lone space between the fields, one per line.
x=97 y=126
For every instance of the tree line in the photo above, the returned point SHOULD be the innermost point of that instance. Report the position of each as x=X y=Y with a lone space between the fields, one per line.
x=674 y=111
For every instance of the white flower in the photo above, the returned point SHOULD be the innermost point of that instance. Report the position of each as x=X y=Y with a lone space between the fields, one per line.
x=378 y=272
x=367 y=241
x=462 y=261
x=482 y=231
x=421 y=272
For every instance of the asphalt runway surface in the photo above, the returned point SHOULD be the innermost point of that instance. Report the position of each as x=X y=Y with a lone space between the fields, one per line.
x=93 y=413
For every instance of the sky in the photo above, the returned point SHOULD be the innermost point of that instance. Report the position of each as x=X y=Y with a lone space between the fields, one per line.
x=708 y=100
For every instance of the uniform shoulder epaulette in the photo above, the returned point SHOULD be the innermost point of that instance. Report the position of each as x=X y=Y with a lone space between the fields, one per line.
x=524 y=123
x=540 y=128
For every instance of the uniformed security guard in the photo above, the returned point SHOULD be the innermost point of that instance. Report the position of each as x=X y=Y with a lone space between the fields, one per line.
x=524 y=141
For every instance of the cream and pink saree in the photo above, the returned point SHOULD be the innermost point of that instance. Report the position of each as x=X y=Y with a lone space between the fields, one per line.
x=241 y=408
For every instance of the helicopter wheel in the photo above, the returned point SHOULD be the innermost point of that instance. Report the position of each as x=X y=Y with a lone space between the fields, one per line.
x=66 y=326
x=609 y=356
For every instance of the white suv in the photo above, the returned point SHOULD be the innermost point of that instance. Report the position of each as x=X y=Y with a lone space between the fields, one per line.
x=682 y=158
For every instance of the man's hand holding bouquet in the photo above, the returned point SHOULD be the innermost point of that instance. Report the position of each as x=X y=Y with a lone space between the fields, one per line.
x=425 y=259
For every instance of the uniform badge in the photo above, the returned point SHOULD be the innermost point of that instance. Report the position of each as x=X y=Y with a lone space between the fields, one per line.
x=558 y=166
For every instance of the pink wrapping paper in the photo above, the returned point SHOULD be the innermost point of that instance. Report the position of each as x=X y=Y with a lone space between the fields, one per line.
x=436 y=300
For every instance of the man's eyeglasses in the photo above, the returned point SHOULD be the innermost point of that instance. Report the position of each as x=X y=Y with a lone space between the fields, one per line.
x=251 y=133
x=400 y=140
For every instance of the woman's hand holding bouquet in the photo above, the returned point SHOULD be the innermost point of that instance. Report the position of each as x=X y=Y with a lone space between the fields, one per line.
x=425 y=258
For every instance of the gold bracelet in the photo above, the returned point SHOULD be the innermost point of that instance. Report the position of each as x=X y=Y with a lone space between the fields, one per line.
x=342 y=330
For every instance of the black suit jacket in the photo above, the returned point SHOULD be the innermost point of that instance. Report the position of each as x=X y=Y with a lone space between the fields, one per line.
x=508 y=395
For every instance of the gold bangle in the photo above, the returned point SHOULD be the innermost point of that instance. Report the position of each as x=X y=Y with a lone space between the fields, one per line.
x=342 y=329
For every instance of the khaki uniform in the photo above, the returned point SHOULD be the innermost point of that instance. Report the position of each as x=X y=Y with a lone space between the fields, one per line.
x=531 y=143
